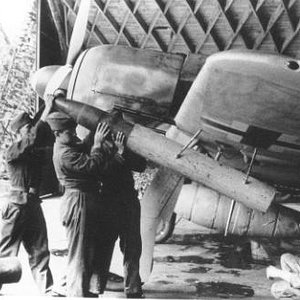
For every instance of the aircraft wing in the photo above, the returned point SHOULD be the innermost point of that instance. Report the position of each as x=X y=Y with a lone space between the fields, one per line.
x=244 y=100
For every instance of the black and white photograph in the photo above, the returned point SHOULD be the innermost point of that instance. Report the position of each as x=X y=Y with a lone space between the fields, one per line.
x=150 y=149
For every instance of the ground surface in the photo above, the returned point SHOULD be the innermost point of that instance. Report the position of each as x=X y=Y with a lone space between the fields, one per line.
x=191 y=265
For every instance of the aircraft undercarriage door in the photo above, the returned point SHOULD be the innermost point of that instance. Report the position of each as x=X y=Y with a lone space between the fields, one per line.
x=157 y=205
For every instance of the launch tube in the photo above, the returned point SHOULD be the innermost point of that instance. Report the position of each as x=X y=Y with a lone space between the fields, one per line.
x=162 y=151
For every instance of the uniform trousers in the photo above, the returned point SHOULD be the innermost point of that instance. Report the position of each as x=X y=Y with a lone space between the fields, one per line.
x=80 y=215
x=124 y=222
x=26 y=223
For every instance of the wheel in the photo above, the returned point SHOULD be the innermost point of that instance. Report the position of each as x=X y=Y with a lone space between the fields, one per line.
x=165 y=230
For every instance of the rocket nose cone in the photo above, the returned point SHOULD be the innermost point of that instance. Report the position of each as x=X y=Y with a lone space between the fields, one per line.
x=41 y=77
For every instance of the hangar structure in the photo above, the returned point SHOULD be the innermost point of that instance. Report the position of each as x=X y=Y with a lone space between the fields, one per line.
x=190 y=27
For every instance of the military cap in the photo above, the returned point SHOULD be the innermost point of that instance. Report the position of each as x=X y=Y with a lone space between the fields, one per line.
x=60 y=121
x=19 y=121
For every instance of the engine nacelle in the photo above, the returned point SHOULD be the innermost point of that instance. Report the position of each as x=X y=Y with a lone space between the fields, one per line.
x=206 y=207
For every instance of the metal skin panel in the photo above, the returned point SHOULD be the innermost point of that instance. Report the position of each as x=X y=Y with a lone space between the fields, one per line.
x=190 y=208
x=243 y=87
x=208 y=208
x=247 y=100
x=141 y=80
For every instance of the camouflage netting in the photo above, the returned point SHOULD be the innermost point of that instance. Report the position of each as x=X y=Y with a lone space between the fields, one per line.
x=16 y=95
x=142 y=180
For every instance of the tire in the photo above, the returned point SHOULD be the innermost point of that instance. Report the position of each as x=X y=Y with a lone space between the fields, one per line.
x=165 y=230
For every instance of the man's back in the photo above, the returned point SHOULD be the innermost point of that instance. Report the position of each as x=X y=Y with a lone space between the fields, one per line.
x=25 y=158
x=118 y=181
x=22 y=219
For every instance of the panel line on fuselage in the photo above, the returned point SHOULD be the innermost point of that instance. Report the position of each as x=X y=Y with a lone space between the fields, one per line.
x=254 y=136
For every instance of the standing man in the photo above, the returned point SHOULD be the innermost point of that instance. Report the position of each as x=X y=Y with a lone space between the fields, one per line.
x=78 y=169
x=123 y=213
x=21 y=216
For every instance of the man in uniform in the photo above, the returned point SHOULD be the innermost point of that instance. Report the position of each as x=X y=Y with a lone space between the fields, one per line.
x=78 y=169
x=21 y=216
x=123 y=214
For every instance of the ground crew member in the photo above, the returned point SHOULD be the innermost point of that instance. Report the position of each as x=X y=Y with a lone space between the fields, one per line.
x=79 y=170
x=123 y=214
x=21 y=216
x=289 y=286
